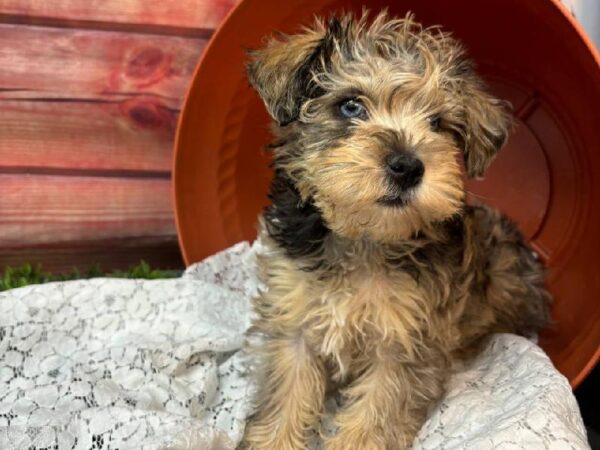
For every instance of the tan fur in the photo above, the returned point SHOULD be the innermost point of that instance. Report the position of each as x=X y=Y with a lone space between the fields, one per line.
x=394 y=295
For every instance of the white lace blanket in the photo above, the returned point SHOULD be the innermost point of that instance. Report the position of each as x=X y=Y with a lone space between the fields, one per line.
x=134 y=364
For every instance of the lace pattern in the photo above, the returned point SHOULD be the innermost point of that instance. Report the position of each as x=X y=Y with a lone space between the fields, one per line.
x=139 y=364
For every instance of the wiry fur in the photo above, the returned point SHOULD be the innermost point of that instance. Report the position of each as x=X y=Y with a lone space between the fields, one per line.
x=377 y=300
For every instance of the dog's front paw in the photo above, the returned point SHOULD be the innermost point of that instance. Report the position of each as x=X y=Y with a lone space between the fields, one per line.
x=268 y=436
x=258 y=437
x=355 y=440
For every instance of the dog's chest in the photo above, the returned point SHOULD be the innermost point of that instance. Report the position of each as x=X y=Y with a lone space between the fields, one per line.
x=362 y=307
x=348 y=309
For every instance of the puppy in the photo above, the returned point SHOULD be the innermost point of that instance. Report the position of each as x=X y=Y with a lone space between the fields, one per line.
x=378 y=275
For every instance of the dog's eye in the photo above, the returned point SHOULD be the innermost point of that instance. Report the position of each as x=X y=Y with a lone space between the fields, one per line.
x=434 y=122
x=352 y=109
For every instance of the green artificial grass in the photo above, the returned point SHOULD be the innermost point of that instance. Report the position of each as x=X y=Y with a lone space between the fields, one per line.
x=27 y=274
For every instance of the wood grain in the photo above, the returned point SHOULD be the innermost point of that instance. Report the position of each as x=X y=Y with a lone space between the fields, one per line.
x=37 y=209
x=159 y=251
x=38 y=62
x=131 y=134
x=137 y=14
x=89 y=97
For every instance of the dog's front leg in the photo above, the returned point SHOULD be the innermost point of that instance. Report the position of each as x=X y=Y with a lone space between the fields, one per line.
x=386 y=405
x=291 y=396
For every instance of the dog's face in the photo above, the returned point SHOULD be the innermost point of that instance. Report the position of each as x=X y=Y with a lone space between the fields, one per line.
x=374 y=119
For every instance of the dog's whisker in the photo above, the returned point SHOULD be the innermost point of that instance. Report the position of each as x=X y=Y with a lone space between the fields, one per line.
x=482 y=197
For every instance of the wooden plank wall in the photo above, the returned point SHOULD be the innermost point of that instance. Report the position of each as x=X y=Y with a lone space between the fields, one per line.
x=90 y=91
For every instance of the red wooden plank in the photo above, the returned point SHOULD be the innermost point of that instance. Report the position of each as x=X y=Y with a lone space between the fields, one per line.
x=134 y=134
x=199 y=14
x=37 y=209
x=159 y=252
x=39 y=62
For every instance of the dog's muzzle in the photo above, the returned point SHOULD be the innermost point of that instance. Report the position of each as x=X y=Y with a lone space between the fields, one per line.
x=404 y=170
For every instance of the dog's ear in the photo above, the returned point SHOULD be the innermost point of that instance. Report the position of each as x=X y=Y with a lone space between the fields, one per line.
x=281 y=72
x=486 y=126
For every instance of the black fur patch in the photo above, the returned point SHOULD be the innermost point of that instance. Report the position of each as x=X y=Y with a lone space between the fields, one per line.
x=301 y=83
x=295 y=225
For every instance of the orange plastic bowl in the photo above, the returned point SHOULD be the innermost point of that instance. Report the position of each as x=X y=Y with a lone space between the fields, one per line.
x=547 y=178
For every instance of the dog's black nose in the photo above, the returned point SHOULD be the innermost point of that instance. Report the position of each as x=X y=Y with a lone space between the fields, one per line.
x=406 y=170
